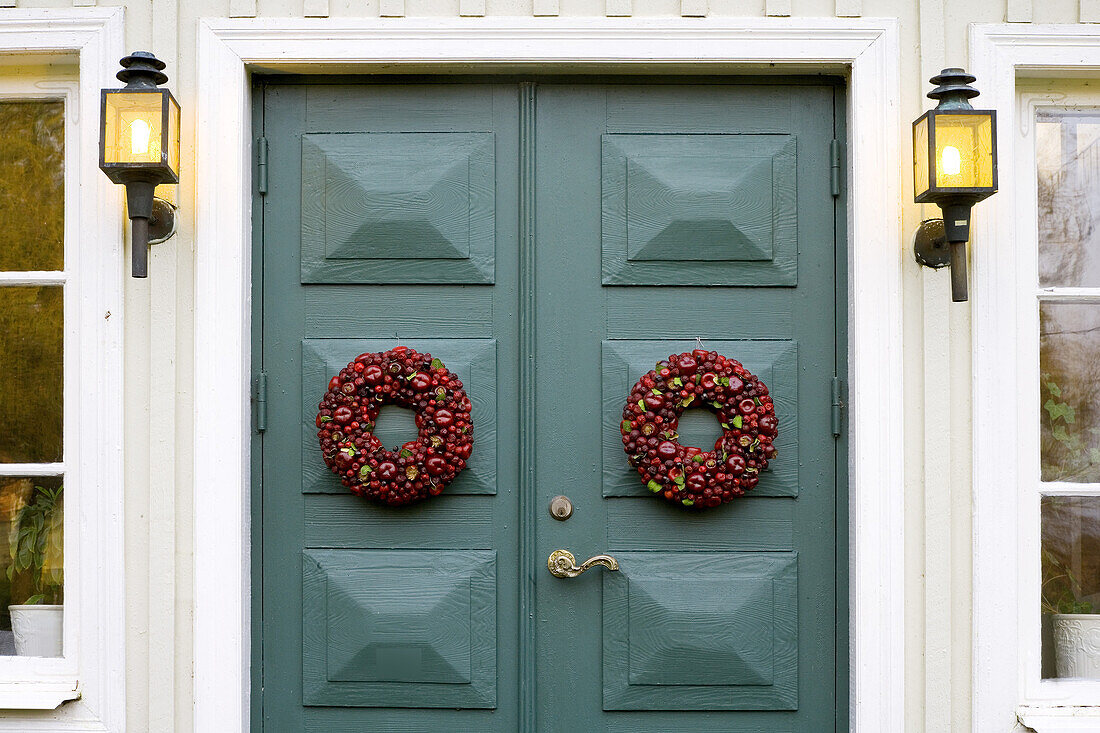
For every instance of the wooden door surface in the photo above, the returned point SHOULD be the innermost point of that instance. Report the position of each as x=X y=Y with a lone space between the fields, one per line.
x=549 y=242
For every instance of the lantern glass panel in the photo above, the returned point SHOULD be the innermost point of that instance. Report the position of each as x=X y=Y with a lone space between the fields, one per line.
x=920 y=156
x=964 y=150
x=173 y=135
x=133 y=128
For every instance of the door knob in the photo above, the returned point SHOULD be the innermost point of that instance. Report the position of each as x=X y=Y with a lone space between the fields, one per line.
x=562 y=564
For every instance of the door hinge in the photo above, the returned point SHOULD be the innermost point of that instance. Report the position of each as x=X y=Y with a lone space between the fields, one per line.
x=837 y=407
x=261 y=165
x=834 y=166
x=261 y=402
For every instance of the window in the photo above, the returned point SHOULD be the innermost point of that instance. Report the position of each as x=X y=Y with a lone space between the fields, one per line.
x=1067 y=253
x=32 y=348
x=61 y=350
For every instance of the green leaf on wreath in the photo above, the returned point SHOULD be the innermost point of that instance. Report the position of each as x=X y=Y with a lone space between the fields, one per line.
x=405 y=453
x=737 y=422
x=437 y=364
x=325 y=419
x=653 y=486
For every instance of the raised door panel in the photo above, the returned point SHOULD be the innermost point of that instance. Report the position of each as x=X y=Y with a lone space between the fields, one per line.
x=701 y=631
x=399 y=628
x=381 y=207
x=685 y=209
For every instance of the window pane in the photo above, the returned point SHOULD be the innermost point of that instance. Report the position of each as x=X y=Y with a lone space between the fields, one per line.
x=31 y=584
x=32 y=185
x=1071 y=586
x=1069 y=391
x=31 y=387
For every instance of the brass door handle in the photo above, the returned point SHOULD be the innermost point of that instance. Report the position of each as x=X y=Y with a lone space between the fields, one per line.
x=562 y=564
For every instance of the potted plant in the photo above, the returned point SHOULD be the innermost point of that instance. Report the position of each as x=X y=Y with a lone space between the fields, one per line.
x=1076 y=624
x=37 y=573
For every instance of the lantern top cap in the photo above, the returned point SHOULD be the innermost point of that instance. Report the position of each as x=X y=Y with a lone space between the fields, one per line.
x=142 y=70
x=953 y=89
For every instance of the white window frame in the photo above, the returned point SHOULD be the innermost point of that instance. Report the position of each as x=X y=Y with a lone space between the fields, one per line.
x=91 y=672
x=1008 y=689
x=865 y=49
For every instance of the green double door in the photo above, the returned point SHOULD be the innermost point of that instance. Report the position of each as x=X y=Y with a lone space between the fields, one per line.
x=549 y=242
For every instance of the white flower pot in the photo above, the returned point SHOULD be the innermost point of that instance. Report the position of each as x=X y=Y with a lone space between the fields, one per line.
x=1077 y=645
x=37 y=630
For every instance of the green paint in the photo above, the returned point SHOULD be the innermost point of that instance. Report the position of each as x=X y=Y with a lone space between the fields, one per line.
x=521 y=275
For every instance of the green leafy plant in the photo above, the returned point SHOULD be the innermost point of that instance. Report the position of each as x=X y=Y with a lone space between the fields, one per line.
x=1061 y=588
x=1069 y=449
x=35 y=544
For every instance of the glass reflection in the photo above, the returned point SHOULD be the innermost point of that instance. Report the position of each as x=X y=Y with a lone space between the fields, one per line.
x=32 y=185
x=32 y=582
x=1068 y=164
x=1071 y=586
x=1069 y=389
x=31 y=389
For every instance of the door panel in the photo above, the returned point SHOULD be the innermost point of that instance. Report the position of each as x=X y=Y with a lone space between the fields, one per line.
x=664 y=215
x=385 y=203
x=725 y=616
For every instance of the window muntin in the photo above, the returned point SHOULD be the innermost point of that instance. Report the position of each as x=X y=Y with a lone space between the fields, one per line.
x=32 y=374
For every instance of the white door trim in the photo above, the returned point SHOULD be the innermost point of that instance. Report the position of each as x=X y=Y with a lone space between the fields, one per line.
x=867 y=49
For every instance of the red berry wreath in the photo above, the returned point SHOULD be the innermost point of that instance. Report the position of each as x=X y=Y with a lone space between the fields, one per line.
x=686 y=475
x=421 y=467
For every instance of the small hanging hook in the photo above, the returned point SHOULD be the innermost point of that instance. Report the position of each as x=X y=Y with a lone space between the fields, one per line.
x=699 y=343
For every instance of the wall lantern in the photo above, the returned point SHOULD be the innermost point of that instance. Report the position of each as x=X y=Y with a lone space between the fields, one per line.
x=139 y=147
x=954 y=166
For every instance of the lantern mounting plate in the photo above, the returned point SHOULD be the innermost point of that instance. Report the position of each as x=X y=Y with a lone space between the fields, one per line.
x=930 y=244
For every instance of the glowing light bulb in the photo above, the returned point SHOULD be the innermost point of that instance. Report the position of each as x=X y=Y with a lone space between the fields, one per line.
x=140 y=132
x=951 y=161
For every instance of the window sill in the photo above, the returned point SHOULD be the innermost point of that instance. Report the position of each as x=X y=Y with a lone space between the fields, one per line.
x=37 y=695
x=1065 y=719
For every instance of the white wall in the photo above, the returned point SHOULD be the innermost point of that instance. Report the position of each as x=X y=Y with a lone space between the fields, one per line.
x=159 y=360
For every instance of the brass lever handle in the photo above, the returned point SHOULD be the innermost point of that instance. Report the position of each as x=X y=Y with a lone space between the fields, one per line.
x=562 y=564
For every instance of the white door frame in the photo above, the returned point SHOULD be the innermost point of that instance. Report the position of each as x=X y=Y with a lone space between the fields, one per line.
x=867 y=50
